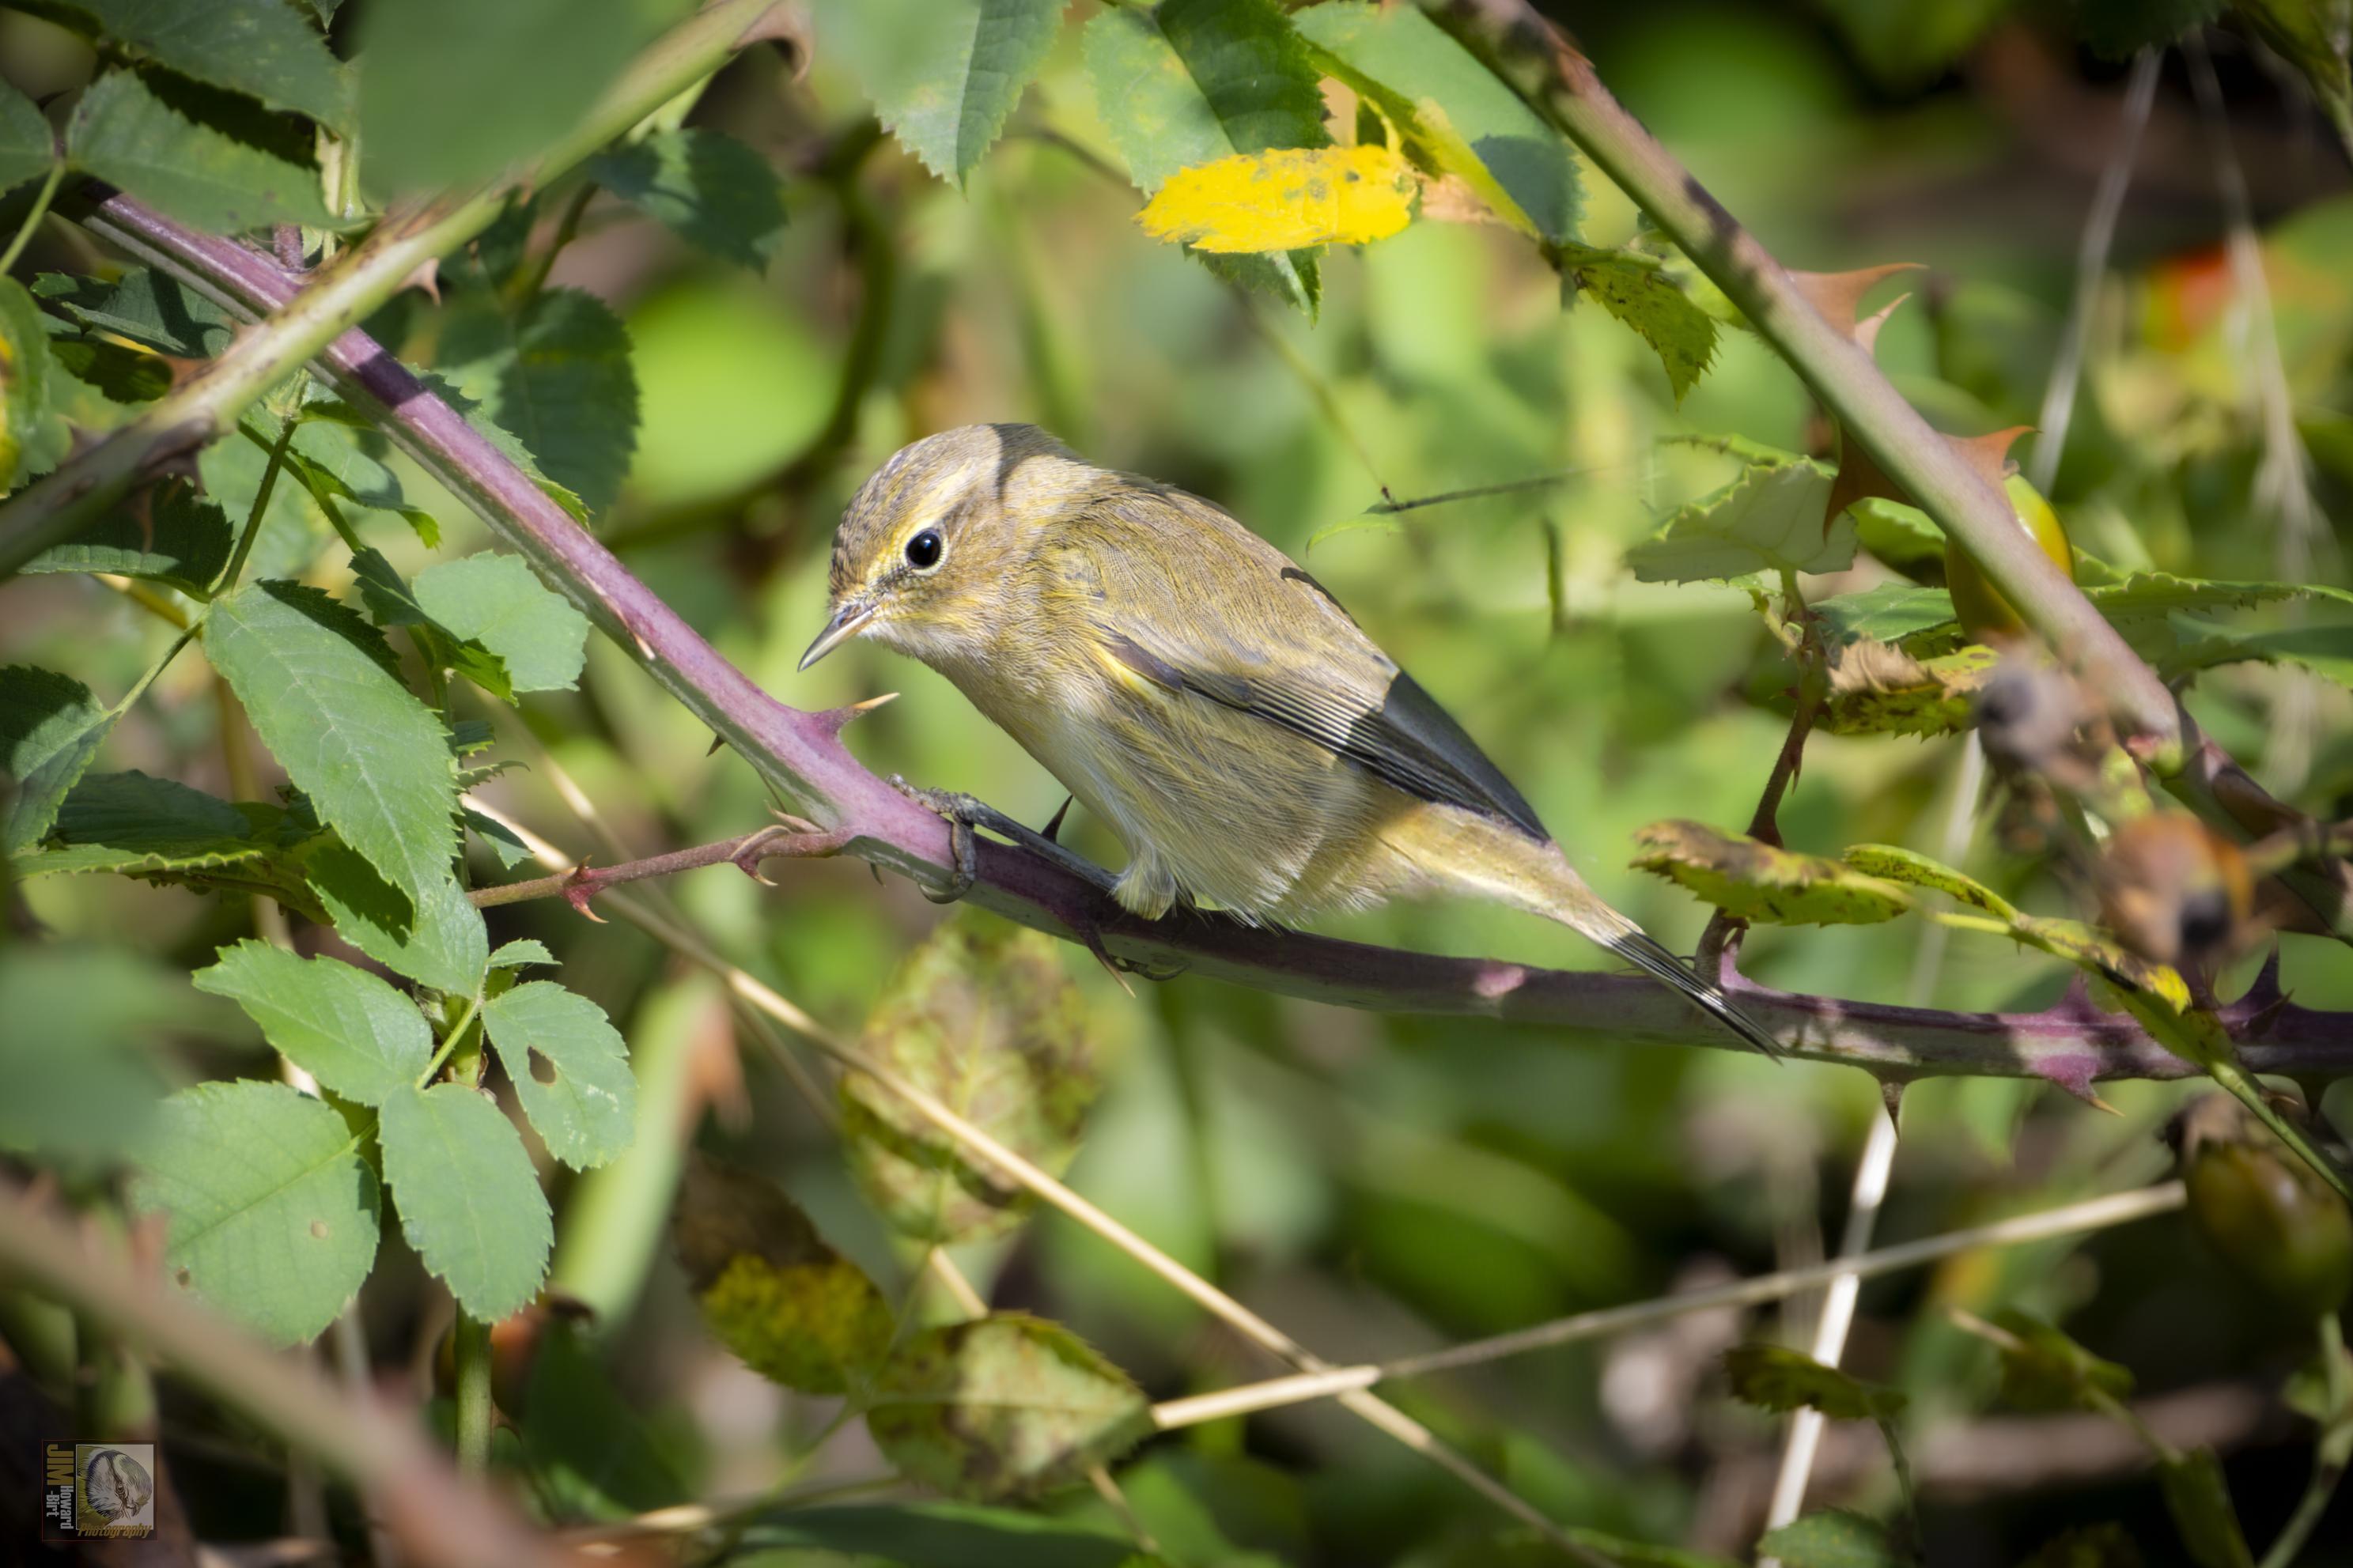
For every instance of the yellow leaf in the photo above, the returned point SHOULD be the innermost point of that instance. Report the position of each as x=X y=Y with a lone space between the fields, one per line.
x=1285 y=200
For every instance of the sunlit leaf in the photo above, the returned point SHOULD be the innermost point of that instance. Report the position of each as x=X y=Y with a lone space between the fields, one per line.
x=557 y=375
x=126 y=135
x=944 y=74
x=345 y=1027
x=1895 y=864
x=1767 y=520
x=468 y=1199
x=1753 y=879
x=570 y=1069
x=499 y=602
x=27 y=368
x=1632 y=287
x=145 y=306
x=1284 y=200
x=1889 y=612
x=432 y=934
x=1879 y=690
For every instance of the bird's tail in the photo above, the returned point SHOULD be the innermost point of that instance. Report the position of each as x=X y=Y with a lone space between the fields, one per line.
x=1639 y=949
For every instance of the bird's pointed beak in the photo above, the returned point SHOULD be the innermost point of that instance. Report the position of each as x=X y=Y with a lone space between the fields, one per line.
x=846 y=623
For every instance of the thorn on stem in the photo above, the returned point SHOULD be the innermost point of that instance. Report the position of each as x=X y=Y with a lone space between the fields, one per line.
x=581 y=884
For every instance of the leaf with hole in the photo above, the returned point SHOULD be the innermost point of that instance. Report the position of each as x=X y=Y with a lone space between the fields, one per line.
x=270 y=1212
x=469 y=1201
x=983 y=1015
x=1004 y=1406
x=345 y=1027
x=585 y=1108
x=772 y=1289
x=1756 y=881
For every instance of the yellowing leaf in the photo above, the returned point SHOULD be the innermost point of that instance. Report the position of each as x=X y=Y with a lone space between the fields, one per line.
x=1289 y=199
x=1758 y=881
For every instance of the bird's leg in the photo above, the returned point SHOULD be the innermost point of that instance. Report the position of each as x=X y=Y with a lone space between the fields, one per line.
x=964 y=812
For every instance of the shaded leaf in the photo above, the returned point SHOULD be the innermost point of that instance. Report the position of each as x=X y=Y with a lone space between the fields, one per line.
x=557 y=375
x=496 y=836
x=2326 y=650
x=432 y=934
x=1454 y=111
x=1284 y=200
x=792 y=1309
x=1767 y=520
x=1634 y=287
x=1832 y=1539
x=944 y=74
x=1754 y=880
x=125 y=134
x=27 y=419
x=2043 y=1369
x=500 y=603
x=1525 y=1549
x=2199 y=1502
x=585 y=1108
x=118 y=373
x=169 y=533
x=142 y=305
x=984 y=1017
x=1776 y=1378
x=271 y=1213
x=587 y=1446
x=164 y=832
x=263 y=47
x=1006 y=1405
x=50 y=727
x=716 y=192
x=1191 y=82
x=372 y=760
x=27 y=149
x=1899 y=534
x=469 y=1201
x=345 y=1027
x=471 y=410
x=1914 y=870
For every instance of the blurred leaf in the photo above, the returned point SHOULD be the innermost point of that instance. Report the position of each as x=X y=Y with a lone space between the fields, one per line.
x=1832 y=1539
x=144 y=306
x=167 y=533
x=714 y=191
x=432 y=934
x=518 y=954
x=50 y=728
x=1888 y=612
x=944 y=74
x=2267 y=1214
x=499 y=602
x=327 y=458
x=1752 y=879
x=1191 y=82
x=1914 y=869
x=1003 y=1407
x=2140 y=605
x=792 y=1309
x=1876 y=690
x=2199 y=1502
x=1767 y=520
x=2313 y=36
x=586 y=1109
x=2102 y=1545
x=557 y=375
x=1910 y=46
x=126 y=135
x=497 y=838
x=2045 y=1370
x=984 y=1017
x=469 y=1201
x=2118 y=27
x=272 y=1212
x=27 y=149
x=1900 y=535
x=348 y=1029
x=941 y=1535
x=1454 y=111
x=1776 y=1378
x=75 y=1055
x=2326 y=650
x=25 y=370
x=1632 y=287
x=374 y=761
x=587 y=1446
x=258 y=47
x=451 y=89
x=1284 y=200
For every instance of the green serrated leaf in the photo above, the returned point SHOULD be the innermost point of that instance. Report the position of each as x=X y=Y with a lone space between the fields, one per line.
x=144 y=306
x=1191 y=82
x=125 y=134
x=1632 y=287
x=169 y=533
x=1003 y=1407
x=257 y=46
x=469 y=1201
x=2326 y=650
x=1889 y=612
x=1753 y=879
x=270 y=1212
x=1776 y=1378
x=557 y=375
x=586 y=1108
x=391 y=602
x=788 y=1304
x=433 y=935
x=522 y=951
x=117 y=372
x=50 y=728
x=1832 y=1539
x=2198 y=1498
x=944 y=74
x=984 y=1017
x=1458 y=114
x=347 y=1029
x=496 y=836
x=714 y=191
x=471 y=410
x=500 y=603
x=165 y=832
x=1767 y=520
x=1900 y=535
x=328 y=458
x=27 y=419
x=372 y=760
x=1893 y=864
x=27 y=150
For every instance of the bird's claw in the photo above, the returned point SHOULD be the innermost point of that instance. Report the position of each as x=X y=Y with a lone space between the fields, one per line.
x=964 y=813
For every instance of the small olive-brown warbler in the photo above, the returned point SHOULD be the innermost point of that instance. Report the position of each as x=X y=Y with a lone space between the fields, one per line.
x=1200 y=693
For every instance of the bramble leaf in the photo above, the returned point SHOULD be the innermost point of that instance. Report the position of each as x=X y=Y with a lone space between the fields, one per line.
x=499 y=602
x=345 y=1027
x=1754 y=880
x=1776 y=1378
x=50 y=728
x=27 y=149
x=1878 y=690
x=469 y=1201
x=586 y=1110
x=169 y=533
x=1631 y=286
x=1767 y=520
x=716 y=192
x=432 y=934
x=944 y=74
x=257 y=46
x=1914 y=870
x=126 y=135
x=557 y=375
x=145 y=306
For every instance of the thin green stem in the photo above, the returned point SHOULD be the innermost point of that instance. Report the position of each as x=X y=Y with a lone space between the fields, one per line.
x=531 y=277
x=2331 y=1449
x=262 y=494
x=33 y=219
x=449 y=1041
x=471 y=1347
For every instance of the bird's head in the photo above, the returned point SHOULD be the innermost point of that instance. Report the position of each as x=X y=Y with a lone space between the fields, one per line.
x=928 y=546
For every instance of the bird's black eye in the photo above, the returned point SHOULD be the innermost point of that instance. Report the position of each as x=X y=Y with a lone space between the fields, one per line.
x=924 y=549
